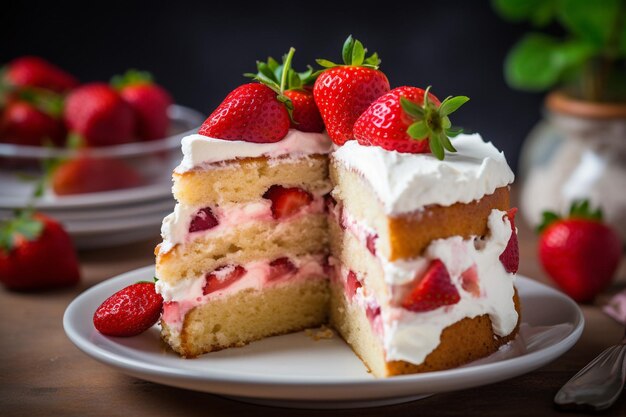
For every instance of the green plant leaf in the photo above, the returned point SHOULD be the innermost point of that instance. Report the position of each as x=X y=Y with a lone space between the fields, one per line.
x=372 y=61
x=592 y=21
x=548 y=218
x=452 y=104
x=538 y=12
x=538 y=62
x=418 y=130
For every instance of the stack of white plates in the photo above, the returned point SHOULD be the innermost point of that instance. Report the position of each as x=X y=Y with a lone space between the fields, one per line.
x=106 y=218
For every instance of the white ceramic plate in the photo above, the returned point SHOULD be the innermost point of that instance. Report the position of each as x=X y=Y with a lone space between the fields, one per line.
x=296 y=371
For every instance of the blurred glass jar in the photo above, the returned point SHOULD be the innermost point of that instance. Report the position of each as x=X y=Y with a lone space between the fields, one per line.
x=578 y=151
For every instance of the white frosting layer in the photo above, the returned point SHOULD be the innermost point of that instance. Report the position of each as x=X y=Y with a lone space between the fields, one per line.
x=199 y=150
x=406 y=182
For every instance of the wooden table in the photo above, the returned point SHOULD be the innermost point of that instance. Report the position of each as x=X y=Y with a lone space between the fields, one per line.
x=43 y=374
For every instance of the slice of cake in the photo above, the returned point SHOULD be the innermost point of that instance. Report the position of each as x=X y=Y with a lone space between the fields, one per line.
x=412 y=257
x=244 y=253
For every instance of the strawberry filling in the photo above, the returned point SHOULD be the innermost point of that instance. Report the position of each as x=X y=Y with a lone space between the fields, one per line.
x=352 y=284
x=370 y=242
x=222 y=278
x=287 y=201
x=203 y=220
x=280 y=268
x=434 y=290
x=510 y=256
x=469 y=280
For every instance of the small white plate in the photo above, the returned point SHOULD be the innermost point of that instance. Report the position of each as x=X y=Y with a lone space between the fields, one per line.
x=296 y=371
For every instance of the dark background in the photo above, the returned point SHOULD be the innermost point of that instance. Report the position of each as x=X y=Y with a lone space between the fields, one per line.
x=199 y=49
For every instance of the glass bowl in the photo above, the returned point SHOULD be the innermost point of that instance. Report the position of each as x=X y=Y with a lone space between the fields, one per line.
x=151 y=161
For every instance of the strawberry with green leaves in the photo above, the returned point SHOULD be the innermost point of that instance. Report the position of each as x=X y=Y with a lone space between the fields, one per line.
x=294 y=89
x=343 y=92
x=149 y=102
x=409 y=120
x=36 y=253
x=579 y=252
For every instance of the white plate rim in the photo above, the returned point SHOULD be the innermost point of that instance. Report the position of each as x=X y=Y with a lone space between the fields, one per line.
x=239 y=384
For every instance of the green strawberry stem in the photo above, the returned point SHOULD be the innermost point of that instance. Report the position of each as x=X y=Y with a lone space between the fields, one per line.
x=432 y=122
x=353 y=54
x=282 y=77
x=580 y=209
x=131 y=77
x=23 y=225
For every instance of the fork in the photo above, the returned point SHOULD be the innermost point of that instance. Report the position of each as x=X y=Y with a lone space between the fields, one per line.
x=598 y=385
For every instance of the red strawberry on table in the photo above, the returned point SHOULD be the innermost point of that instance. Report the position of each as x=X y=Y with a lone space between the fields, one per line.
x=99 y=115
x=22 y=123
x=32 y=71
x=579 y=252
x=411 y=120
x=294 y=89
x=433 y=290
x=130 y=311
x=343 y=92
x=91 y=175
x=148 y=100
x=36 y=254
x=287 y=201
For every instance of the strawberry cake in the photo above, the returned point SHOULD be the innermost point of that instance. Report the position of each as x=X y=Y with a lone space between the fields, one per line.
x=346 y=203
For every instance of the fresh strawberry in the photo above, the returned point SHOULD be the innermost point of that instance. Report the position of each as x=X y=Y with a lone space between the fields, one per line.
x=294 y=89
x=97 y=113
x=352 y=283
x=32 y=71
x=130 y=311
x=23 y=123
x=469 y=280
x=579 y=252
x=148 y=100
x=411 y=120
x=36 y=254
x=306 y=116
x=252 y=113
x=287 y=201
x=434 y=290
x=91 y=175
x=222 y=277
x=510 y=256
x=343 y=92
x=203 y=220
x=280 y=268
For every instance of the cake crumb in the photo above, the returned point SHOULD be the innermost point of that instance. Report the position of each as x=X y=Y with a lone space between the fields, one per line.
x=323 y=332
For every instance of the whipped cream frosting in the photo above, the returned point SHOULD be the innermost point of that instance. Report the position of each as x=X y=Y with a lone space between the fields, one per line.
x=405 y=182
x=411 y=336
x=199 y=150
